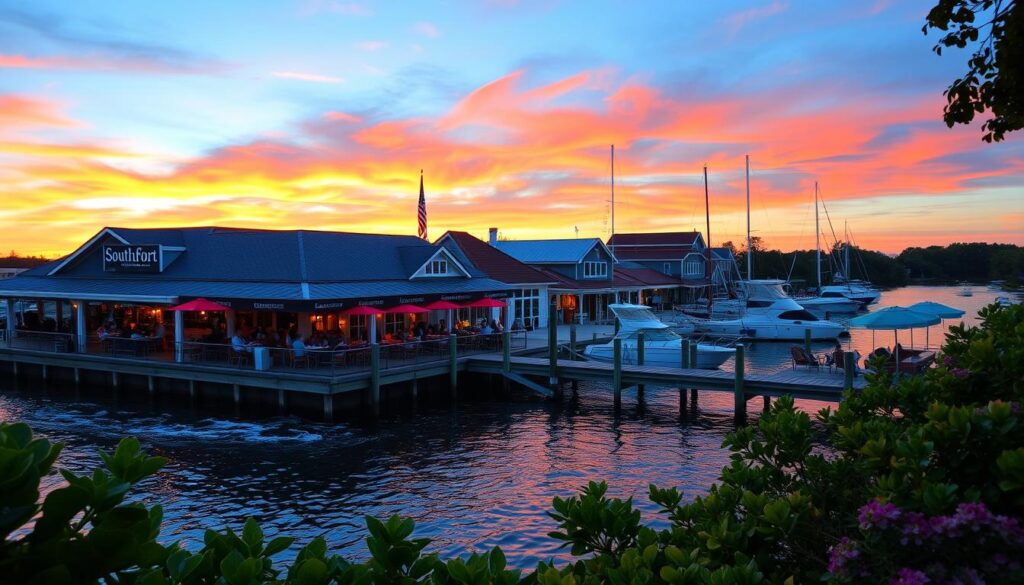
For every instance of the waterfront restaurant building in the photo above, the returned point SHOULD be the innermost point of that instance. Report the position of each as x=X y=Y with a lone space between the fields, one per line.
x=297 y=280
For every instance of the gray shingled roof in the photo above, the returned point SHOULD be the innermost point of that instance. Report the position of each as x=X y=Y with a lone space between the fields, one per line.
x=548 y=251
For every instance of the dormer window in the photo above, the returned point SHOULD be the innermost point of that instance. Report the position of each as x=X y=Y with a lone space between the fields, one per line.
x=594 y=269
x=437 y=267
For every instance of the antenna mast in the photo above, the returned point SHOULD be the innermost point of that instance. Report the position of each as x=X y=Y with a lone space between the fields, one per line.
x=707 y=217
x=750 y=253
x=817 y=238
x=613 y=192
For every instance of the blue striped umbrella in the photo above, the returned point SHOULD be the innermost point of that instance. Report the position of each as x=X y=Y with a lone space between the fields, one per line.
x=894 y=318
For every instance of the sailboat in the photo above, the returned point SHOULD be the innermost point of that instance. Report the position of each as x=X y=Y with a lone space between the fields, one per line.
x=662 y=346
x=832 y=303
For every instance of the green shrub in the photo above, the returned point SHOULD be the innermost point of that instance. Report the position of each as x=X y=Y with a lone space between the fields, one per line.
x=921 y=480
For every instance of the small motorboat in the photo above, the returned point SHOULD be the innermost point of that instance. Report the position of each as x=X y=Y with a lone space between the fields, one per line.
x=662 y=346
x=837 y=304
x=854 y=291
x=1005 y=301
x=965 y=291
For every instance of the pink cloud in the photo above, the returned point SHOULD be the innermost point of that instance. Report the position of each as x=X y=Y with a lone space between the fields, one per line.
x=370 y=45
x=341 y=117
x=737 y=20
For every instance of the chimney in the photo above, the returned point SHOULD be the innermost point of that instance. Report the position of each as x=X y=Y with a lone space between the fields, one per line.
x=492 y=236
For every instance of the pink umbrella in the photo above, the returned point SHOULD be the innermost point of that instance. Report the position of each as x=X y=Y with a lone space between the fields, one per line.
x=363 y=310
x=486 y=304
x=200 y=305
x=441 y=306
x=406 y=309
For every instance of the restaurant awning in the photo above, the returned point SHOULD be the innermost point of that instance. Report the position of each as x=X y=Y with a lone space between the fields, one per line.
x=200 y=305
x=486 y=304
x=406 y=309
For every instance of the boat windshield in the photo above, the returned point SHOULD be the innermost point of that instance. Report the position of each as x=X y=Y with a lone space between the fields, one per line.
x=765 y=290
x=798 y=315
x=634 y=314
x=651 y=335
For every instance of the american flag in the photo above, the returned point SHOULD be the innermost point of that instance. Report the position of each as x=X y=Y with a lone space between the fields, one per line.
x=422 y=211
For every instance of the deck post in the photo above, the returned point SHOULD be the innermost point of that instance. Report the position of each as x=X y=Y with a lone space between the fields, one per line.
x=807 y=340
x=179 y=336
x=506 y=351
x=46 y=372
x=375 y=378
x=236 y=393
x=328 y=407
x=640 y=358
x=81 y=339
x=282 y=400
x=693 y=355
x=14 y=365
x=572 y=342
x=849 y=369
x=453 y=366
x=78 y=376
x=739 y=395
x=12 y=321
x=767 y=402
x=414 y=390
x=617 y=371
x=151 y=384
x=191 y=387
x=684 y=354
x=115 y=379
x=553 y=349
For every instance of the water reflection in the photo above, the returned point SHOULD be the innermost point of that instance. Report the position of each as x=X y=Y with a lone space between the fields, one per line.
x=479 y=475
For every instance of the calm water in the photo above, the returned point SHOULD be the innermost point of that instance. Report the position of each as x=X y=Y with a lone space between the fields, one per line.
x=475 y=476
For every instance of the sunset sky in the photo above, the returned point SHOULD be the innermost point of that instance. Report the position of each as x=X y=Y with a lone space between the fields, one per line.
x=319 y=114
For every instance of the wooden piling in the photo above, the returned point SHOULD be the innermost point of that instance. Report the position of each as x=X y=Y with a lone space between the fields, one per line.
x=684 y=354
x=115 y=380
x=693 y=354
x=807 y=341
x=739 y=395
x=617 y=371
x=328 y=407
x=236 y=393
x=78 y=376
x=640 y=359
x=192 y=390
x=767 y=402
x=572 y=342
x=151 y=385
x=282 y=400
x=453 y=366
x=506 y=352
x=553 y=348
x=46 y=372
x=375 y=378
x=414 y=390
x=849 y=369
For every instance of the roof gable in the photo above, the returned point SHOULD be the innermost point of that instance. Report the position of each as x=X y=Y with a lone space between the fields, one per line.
x=567 y=251
x=491 y=261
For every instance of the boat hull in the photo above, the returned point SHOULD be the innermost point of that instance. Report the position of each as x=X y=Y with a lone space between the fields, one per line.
x=830 y=305
x=754 y=329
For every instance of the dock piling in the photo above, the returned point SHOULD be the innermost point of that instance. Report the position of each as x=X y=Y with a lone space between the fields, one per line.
x=453 y=366
x=46 y=372
x=78 y=376
x=236 y=393
x=553 y=350
x=375 y=378
x=849 y=369
x=282 y=400
x=506 y=352
x=115 y=380
x=640 y=359
x=739 y=395
x=617 y=371
x=328 y=407
x=807 y=341
x=151 y=385
x=572 y=342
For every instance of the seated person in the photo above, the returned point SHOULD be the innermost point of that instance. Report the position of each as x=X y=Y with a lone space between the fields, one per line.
x=103 y=332
x=486 y=329
x=442 y=327
x=419 y=330
x=238 y=342
x=299 y=347
x=497 y=327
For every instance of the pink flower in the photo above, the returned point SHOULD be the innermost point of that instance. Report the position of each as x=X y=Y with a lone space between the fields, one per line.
x=909 y=577
x=878 y=514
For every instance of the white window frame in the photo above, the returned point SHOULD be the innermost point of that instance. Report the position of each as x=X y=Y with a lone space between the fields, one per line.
x=595 y=269
x=437 y=267
x=526 y=306
x=667 y=268
x=694 y=268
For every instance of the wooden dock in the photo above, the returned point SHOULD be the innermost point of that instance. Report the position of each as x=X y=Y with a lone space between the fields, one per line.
x=542 y=375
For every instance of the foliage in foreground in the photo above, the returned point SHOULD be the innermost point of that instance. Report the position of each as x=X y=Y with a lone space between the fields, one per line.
x=918 y=481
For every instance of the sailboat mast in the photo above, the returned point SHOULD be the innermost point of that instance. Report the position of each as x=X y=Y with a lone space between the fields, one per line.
x=613 y=192
x=817 y=239
x=847 y=273
x=707 y=217
x=750 y=253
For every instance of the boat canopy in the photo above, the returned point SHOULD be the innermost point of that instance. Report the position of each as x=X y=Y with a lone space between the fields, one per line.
x=634 y=318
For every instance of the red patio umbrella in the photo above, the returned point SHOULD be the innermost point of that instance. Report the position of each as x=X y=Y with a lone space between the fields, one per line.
x=406 y=309
x=200 y=305
x=442 y=306
x=363 y=310
x=486 y=304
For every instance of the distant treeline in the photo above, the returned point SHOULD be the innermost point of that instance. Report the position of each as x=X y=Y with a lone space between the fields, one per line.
x=14 y=260
x=971 y=262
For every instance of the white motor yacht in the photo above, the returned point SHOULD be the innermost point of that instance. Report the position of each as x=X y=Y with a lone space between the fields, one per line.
x=662 y=346
x=771 y=314
x=854 y=291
